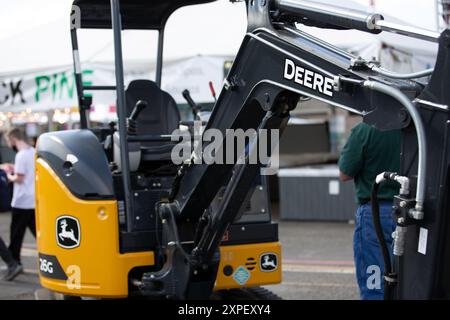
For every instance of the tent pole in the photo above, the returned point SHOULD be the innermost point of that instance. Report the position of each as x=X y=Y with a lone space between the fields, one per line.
x=50 y=114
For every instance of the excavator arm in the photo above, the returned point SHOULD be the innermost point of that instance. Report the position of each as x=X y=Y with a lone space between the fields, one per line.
x=277 y=64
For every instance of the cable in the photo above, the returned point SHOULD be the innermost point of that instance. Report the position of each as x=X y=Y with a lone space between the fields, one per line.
x=388 y=272
x=390 y=277
x=414 y=75
x=417 y=212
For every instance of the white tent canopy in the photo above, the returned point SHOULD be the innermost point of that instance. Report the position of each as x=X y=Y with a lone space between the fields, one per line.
x=35 y=34
x=47 y=44
x=39 y=54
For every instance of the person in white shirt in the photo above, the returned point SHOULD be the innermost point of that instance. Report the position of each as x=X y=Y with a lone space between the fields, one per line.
x=22 y=174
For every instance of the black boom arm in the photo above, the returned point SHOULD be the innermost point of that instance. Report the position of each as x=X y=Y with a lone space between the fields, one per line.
x=277 y=65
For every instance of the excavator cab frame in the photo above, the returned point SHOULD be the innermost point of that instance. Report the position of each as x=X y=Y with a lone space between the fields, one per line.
x=134 y=15
x=110 y=181
x=276 y=66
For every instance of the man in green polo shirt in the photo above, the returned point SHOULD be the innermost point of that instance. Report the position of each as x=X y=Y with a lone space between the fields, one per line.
x=367 y=153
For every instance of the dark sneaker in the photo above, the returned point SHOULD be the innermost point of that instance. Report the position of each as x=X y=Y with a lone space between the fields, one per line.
x=13 y=272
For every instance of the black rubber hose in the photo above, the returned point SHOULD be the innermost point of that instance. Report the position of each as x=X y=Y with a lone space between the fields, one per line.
x=379 y=232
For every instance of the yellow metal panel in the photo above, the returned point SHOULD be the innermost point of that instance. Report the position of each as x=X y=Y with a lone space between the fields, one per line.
x=95 y=267
x=248 y=256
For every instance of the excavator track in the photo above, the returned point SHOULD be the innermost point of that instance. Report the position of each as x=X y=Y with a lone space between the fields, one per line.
x=256 y=293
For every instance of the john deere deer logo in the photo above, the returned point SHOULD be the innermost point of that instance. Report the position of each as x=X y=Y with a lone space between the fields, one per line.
x=268 y=262
x=68 y=232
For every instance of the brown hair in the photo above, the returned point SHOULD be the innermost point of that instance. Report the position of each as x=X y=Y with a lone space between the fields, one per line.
x=17 y=134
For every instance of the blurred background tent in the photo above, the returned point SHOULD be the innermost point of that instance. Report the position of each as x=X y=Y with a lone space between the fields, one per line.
x=37 y=43
x=37 y=86
x=201 y=41
x=39 y=37
x=37 y=54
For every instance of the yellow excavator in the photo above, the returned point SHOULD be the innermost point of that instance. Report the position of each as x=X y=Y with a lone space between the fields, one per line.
x=118 y=218
x=99 y=227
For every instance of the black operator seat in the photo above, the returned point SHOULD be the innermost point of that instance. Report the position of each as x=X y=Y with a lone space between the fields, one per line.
x=161 y=117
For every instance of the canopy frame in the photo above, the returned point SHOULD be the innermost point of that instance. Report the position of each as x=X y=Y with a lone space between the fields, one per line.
x=133 y=14
x=119 y=15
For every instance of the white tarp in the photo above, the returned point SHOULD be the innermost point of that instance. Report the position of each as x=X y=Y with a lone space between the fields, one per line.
x=55 y=88
x=38 y=91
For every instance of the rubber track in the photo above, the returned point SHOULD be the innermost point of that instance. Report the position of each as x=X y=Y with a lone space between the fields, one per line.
x=256 y=293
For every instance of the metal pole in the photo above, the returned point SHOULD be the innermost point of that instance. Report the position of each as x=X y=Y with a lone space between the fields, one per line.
x=84 y=122
x=50 y=120
x=121 y=112
x=414 y=32
x=159 y=59
x=334 y=15
x=350 y=19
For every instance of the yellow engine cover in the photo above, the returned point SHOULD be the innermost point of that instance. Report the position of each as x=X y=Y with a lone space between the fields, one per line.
x=95 y=267
x=91 y=264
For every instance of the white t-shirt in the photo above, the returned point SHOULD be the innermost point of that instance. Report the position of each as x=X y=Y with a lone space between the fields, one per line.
x=23 y=195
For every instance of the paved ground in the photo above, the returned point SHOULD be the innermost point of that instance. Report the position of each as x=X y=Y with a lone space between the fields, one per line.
x=317 y=262
x=23 y=286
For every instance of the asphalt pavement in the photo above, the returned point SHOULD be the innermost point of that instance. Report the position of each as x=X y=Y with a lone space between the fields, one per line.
x=24 y=286
x=317 y=262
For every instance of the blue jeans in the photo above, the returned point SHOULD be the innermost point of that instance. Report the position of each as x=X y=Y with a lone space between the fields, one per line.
x=367 y=252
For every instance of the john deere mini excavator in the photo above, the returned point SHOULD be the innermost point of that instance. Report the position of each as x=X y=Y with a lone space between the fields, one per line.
x=117 y=218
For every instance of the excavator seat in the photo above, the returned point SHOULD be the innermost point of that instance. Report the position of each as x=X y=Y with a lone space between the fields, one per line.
x=161 y=117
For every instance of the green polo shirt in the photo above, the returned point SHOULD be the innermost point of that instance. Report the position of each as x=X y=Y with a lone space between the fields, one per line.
x=367 y=153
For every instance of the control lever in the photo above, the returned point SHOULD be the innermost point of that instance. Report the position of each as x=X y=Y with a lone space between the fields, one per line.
x=213 y=92
x=132 y=119
x=195 y=108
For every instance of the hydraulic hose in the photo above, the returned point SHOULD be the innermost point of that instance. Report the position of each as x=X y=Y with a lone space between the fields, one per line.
x=414 y=75
x=388 y=271
x=390 y=277
x=417 y=213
